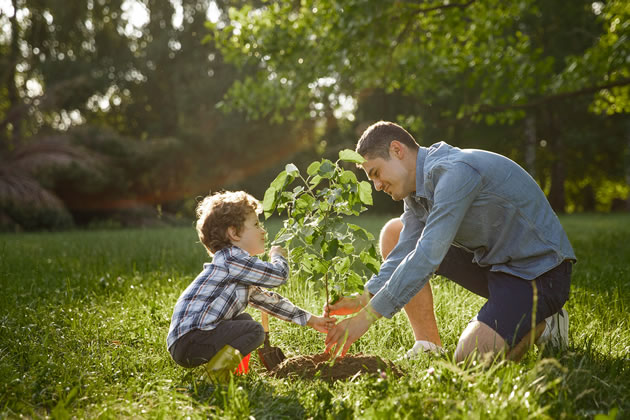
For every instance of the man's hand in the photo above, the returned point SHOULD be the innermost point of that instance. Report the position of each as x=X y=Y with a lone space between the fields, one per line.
x=276 y=249
x=348 y=304
x=342 y=335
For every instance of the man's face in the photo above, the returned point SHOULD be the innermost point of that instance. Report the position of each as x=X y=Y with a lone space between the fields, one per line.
x=389 y=175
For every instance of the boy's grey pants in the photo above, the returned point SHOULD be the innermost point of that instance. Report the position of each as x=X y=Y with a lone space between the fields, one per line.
x=197 y=347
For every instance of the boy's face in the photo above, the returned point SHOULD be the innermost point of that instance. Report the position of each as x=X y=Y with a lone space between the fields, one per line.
x=251 y=238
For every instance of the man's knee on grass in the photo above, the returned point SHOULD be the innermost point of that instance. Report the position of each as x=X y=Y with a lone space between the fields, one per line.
x=389 y=236
x=479 y=339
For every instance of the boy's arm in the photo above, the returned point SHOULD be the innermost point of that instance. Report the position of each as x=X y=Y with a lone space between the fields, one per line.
x=277 y=306
x=256 y=272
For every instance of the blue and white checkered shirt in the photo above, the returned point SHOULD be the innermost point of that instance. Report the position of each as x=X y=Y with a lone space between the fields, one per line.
x=224 y=289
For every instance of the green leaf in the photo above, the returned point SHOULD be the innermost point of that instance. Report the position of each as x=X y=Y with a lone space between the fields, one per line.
x=269 y=201
x=305 y=202
x=348 y=155
x=334 y=296
x=343 y=265
x=348 y=177
x=365 y=193
x=370 y=262
x=280 y=181
x=329 y=248
x=354 y=282
x=313 y=168
x=292 y=170
x=326 y=169
x=287 y=236
x=316 y=180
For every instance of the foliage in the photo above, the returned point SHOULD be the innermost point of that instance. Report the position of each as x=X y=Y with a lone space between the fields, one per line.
x=323 y=245
x=447 y=69
x=27 y=179
x=310 y=50
x=84 y=318
x=141 y=95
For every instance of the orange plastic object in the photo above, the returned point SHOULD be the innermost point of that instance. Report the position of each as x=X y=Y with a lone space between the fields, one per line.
x=243 y=367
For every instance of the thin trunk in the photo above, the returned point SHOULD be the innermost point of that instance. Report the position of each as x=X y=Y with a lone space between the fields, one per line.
x=627 y=162
x=530 y=145
x=9 y=135
x=558 y=168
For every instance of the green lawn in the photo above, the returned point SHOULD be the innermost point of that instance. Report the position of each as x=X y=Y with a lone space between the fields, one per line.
x=84 y=318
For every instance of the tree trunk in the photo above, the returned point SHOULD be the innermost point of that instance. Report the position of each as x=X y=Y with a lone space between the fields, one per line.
x=9 y=134
x=627 y=161
x=558 y=169
x=530 y=145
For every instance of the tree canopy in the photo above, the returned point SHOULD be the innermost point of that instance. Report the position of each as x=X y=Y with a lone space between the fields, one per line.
x=113 y=105
x=531 y=63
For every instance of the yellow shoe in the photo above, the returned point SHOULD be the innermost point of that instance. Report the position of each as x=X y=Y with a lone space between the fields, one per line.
x=223 y=363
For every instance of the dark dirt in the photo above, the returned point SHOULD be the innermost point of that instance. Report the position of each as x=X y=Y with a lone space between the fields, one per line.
x=318 y=367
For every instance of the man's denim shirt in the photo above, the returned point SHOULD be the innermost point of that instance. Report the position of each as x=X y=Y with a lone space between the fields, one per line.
x=476 y=200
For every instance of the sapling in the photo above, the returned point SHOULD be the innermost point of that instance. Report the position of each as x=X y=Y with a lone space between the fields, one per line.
x=324 y=246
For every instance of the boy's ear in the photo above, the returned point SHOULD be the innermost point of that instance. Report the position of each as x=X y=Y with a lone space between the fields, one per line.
x=232 y=233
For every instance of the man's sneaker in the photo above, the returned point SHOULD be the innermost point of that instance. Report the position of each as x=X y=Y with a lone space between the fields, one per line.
x=556 y=330
x=422 y=347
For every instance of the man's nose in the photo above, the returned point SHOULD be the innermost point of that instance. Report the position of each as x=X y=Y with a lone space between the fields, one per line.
x=378 y=185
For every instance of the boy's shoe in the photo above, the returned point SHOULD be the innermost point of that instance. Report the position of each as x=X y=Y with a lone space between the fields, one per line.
x=556 y=330
x=422 y=347
x=223 y=364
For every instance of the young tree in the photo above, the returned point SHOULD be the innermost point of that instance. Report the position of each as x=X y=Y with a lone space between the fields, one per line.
x=324 y=245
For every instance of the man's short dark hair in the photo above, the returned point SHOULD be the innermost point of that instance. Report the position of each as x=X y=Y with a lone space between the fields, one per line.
x=375 y=140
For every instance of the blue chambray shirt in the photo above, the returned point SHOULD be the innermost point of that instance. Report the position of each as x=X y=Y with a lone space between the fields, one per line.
x=476 y=200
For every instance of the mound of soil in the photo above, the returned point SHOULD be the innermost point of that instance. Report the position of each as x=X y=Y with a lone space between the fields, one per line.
x=318 y=367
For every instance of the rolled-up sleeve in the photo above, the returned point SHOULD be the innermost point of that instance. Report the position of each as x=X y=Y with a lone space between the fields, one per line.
x=456 y=187
x=278 y=306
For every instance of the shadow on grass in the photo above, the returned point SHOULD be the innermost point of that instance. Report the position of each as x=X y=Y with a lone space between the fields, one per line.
x=246 y=397
x=589 y=382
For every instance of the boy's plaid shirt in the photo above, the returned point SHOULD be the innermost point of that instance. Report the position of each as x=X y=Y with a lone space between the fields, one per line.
x=224 y=289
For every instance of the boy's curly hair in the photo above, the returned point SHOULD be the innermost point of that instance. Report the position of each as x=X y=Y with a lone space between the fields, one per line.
x=217 y=212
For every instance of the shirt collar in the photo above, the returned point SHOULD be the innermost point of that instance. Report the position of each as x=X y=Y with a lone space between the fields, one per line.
x=422 y=155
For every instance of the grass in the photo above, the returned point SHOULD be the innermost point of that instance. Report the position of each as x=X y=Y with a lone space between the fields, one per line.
x=84 y=318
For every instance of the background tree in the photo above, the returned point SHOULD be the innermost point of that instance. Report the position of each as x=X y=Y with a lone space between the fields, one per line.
x=132 y=84
x=461 y=67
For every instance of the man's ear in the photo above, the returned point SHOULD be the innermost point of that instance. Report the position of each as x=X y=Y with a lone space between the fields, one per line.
x=232 y=233
x=397 y=149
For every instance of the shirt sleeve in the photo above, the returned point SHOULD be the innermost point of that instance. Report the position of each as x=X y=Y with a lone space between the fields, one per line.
x=456 y=187
x=256 y=272
x=411 y=231
x=277 y=306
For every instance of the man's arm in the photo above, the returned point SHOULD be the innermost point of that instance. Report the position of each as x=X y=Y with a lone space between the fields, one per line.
x=407 y=241
x=456 y=187
x=455 y=191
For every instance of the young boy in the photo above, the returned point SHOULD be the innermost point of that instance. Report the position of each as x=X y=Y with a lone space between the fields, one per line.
x=208 y=323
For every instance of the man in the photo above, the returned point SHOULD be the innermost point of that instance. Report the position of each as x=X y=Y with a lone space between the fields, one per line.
x=478 y=219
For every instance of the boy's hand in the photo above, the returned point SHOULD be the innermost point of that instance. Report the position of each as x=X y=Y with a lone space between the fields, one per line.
x=321 y=323
x=347 y=305
x=276 y=249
